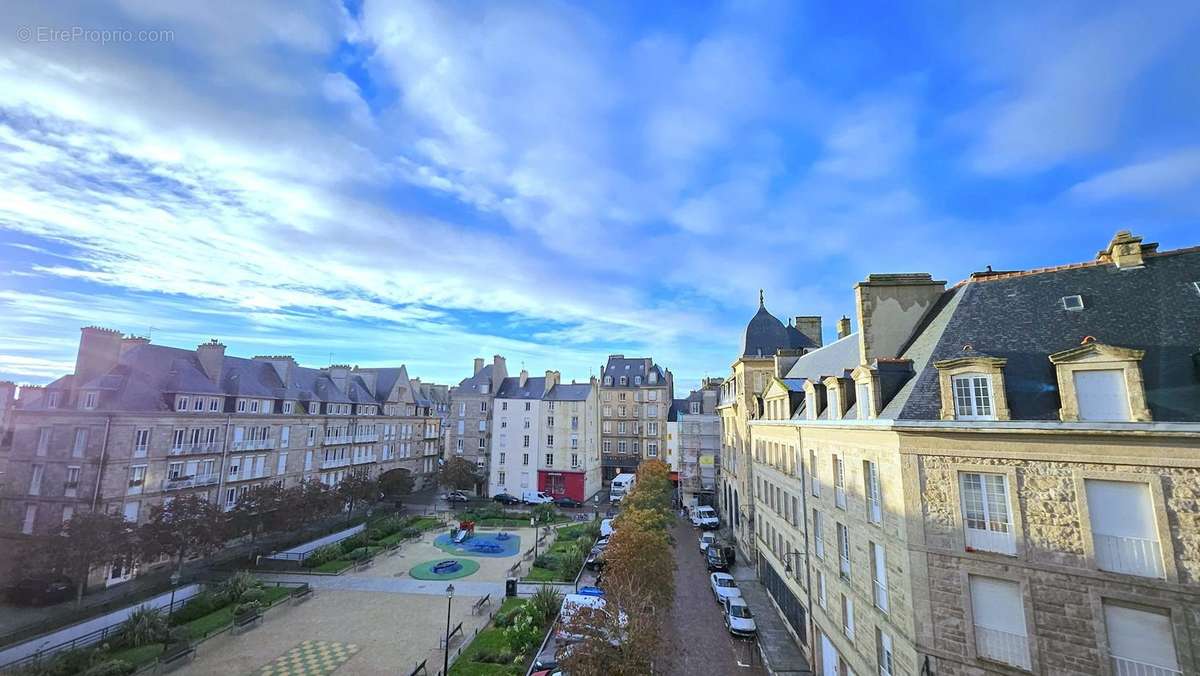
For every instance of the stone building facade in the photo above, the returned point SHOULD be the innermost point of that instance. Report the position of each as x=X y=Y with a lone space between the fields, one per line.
x=469 y=423
x=635 y=400
x=699 y=431
x=1000 y=478
x=137 y=423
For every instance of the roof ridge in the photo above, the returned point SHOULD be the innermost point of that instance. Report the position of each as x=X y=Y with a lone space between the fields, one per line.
x=1069 y=266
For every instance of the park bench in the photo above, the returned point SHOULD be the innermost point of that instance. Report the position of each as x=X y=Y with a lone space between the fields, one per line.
x=241 y=622
x=302 y=593
x=478 y=605
x=455 y=634
x=363 y=565
x=175 y=654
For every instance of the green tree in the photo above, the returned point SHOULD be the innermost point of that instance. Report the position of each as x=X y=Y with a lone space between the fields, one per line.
x=396 y=484
x=257 y=510
x=186 y=526
x=357 y=488
x=88 y=540
x=459 y=474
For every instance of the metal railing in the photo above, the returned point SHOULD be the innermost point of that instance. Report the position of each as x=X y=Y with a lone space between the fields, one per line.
x=1001 y=542
x=1135 y=556
x=366 y=437
x=839 y=496
x=253 y=444
x=336 y=462
x=331 y=441
x=844 y=566
x=881 y=595
x=1123 y=666
x=874 y=511
x=200 y=447
x=189 y=482
x=1002 y=646
x=363 y=459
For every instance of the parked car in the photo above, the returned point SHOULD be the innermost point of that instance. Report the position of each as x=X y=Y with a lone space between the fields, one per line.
x=595 y=559
x=535 y=498
x=506 y=499
x=723 y=586
x=603 y=542
x=42 y=591
x=706 y=518
x=707 y=539
x=606 y=528
x=550 y=659
x=455 y=496
x=714 y=558
x=738 y=618
x=564 y=501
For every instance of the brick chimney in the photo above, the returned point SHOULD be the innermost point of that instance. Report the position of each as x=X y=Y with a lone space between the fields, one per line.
x=524 y=378
x=99 y=350
x=212 y=359
x=843 y=327
x=889 y=307
x=283 y=365
x=339 y=373
x=8 y=394
x=499 y=372
x=1126 y=250
x=130 y=342
x=552 y=378
x=478 y=365
x=810 y=326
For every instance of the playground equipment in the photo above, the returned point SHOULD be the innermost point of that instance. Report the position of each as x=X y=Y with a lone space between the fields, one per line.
x=464 y=530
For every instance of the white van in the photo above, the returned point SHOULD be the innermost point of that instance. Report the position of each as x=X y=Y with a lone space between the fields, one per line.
x=621 y=484
x=606 y=528
x=535 y=498
x=706 y=518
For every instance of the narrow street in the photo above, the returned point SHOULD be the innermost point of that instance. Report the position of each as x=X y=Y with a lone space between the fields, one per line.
x=696 y=640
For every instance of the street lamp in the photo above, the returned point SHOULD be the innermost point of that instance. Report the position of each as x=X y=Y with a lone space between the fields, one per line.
x=446 y=655
x=174 y=583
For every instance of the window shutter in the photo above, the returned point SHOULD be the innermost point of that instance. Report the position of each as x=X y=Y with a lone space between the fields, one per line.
x=1140 y=635
x=1121 y=508
x=1101 y=395
x=996 y=604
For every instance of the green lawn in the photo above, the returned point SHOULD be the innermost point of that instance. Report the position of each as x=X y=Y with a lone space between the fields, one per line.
x=503 y=522
x=336 y=566
x=210 y=623
x=390 y=540
x=489 y=640
x=539 y=574
x=274 y=595
x=138 y=656
x=424 y=522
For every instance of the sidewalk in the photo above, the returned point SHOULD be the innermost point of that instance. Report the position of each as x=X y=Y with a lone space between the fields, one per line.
x=780 y=653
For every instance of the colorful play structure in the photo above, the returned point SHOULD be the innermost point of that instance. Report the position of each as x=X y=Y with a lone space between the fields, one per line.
x=462 y=532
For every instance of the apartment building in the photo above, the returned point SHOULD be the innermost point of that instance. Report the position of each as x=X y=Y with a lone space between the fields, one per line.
x=635 y=399
x=995 y=478
x=698 y=430
x=137 y=423
x=469 y=422
x=569 y=463
x=519 y=428
x=768 y=346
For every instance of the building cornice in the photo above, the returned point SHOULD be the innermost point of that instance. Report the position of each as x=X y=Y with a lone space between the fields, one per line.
x=997 y=427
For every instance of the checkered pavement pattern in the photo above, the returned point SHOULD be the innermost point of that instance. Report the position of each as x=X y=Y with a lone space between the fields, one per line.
x=310 y=658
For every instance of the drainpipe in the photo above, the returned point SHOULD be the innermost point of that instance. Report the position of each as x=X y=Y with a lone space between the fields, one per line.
x=224 y=462
x=103 y=457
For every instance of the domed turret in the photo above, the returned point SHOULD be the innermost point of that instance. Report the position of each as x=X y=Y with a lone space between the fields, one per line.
x=764 y=334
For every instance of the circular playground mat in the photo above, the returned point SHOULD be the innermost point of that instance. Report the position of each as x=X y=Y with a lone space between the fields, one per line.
x=481 y=544
x=443 y=569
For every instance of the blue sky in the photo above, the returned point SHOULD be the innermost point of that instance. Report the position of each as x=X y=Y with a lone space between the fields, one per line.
x=426 y=182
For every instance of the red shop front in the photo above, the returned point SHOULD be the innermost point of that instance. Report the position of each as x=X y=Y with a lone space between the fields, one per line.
x=558 y=484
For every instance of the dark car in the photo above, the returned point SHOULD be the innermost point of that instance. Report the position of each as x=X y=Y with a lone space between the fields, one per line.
x=714 y=558
x=506 y=499
x=595 y=559
x=41 y=591
x=564 y=501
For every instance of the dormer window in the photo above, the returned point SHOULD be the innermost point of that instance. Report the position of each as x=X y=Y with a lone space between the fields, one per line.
x=241 y=405
x=52 y=399
x=624 y=381
x=1103 y=383
x=181 y=403
x=254 y=406
x=972 y=397
x=198 y=404
x=608 y=381
x=637 y=380
x=287 y=407
x=214 y=404
x=972 y=387
x=314 y=408
x=89 y=400
x=862 y=395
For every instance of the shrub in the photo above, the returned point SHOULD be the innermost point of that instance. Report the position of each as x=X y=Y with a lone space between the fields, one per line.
x=255 y=595
x=198 y=606
x=111 y=668
x=544 y=604
x=548 y=561
x=505 y=618
x=66 y=663
x=385 y=527
x=145 y=625
x=354 y=542
x=571 y=561
x=410 y=533
x=524 y=633
x=358 y=554
x=323 y=555
x=497 y=656
x=245 y=608
x=237 y=584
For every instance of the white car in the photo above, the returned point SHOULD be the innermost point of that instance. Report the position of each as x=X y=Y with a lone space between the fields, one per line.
x=706 y=518
x=606 y=528
x=706 y=539
x=723 y=587
x=738 y=619
x=535 y=498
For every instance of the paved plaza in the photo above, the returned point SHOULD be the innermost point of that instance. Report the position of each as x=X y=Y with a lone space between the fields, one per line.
x=379 y=621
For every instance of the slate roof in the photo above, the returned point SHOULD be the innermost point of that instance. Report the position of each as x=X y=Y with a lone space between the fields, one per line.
x=569 y=392
x=834 y=359
x=630 y=367
x=1020 y=317
x=472 y=384
x=765 y=335
x=510 y=388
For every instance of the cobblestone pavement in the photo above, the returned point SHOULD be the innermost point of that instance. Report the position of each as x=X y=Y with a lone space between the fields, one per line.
x=696 y=639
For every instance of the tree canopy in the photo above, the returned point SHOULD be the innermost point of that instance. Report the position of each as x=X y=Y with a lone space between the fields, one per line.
x=459 y=474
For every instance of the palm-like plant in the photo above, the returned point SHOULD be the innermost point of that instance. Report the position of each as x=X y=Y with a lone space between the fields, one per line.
x=545 y=604
x=144 y=626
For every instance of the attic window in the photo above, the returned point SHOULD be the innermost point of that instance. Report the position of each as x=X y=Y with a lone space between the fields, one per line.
x=1196 y=286
x=1073 y=303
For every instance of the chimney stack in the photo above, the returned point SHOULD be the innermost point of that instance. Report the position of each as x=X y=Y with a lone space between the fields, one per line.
x=1126 y=250
x=283 y=365
x=843 y=327
x=499 y=372
x=524 y=378
x=478 y=365
x=99 y=350
x=810 y=326
x=130 y=342
x=889 y=307
x=339 y=374
x=552 y=378
x=212 y=359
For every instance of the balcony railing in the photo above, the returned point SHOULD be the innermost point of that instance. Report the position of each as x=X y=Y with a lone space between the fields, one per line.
x=881 y=595
x=253 y=444
x=839 y=496
x=366 y=437
x=200 y=447
x=344 y=439
x=364 y=459
x=874 y=511
x=189 y=482
x=1135 y=556
x=1123 y=666
x=336 y=462
x=1001 y=542
x=1002 y=646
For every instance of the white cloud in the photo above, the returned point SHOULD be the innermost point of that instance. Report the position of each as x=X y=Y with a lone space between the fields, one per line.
x=1169 y=174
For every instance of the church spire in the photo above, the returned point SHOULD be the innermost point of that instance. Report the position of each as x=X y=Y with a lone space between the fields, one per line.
x=760 y=298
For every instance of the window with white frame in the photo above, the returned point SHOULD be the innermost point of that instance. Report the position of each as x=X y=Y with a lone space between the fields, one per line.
x=862 y=396
x=695 y=408
x=815 y=475
x=198 y=404
x=1141 y=641
x=482 y=445
x=80 y=445
x=30 y=519
x=832 y=404
x=181 y=403
x=972 y=396
x=1102 y=395
x=549 y=459
x=987 y=519
x=35 y=479
x=839 y=482
x=574 y=460
x=883 y=645
x=525 y=459
x=652 y=449
x=72 y=480
x=848 y=616
x=879 y=579
x=1124 y=528
x=500 y=478
x=998 y=613
x=214 y=403
x=843 y=538
x=43 y=442
x=287 y=407
x=874 y=500
x=822 y=595
x=89 y=400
